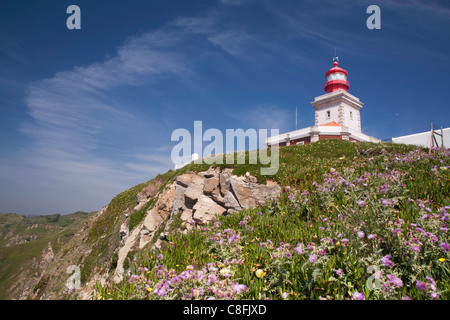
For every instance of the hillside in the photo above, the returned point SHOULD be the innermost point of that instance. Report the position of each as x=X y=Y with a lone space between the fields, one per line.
x=341 y=208
x=23 y=239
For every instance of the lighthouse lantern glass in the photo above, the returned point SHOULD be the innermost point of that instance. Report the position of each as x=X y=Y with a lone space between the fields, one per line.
x=337 y=76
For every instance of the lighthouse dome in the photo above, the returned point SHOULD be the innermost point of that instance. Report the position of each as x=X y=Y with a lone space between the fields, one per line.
x=336 y=79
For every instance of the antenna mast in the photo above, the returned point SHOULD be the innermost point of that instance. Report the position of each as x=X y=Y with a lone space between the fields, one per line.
x=335 y=58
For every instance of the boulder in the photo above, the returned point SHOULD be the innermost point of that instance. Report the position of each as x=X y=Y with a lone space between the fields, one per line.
x=250 y=194
x=187 y=179
x=211 y=184
x=224 y=181
x=210 y=173
x=192 y=193
x=178 y=200
x=206 y=209
x=230 y=202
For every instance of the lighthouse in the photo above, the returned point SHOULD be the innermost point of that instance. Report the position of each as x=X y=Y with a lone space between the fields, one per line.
x=336 y=79
x=337 y=114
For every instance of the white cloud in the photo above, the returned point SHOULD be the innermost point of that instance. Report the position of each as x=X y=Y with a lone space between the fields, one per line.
x=75 y=127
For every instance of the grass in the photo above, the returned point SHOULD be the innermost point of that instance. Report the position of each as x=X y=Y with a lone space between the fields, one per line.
x=308 y=243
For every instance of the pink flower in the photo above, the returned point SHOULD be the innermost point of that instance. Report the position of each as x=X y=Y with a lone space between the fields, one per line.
x=359 y=296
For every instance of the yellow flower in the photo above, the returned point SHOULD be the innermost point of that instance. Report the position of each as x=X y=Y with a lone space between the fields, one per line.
x=149 y=289
x=441 y=259
x=260 y=273
x=338 y=243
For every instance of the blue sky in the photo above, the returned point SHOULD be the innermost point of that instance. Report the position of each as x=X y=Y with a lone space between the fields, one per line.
x=86 y=114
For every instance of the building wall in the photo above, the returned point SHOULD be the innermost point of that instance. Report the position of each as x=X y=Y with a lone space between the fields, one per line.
x=423 y=138
x=324 y=137
x=322 y=114
x=350 y=117
x=305 y=140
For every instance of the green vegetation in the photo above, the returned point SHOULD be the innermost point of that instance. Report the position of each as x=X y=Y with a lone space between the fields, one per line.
x=24 y=238
x=354 y=221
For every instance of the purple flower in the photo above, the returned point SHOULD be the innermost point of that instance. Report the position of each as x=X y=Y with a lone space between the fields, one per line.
x=434 y=295
x=371 y=236
x=385 y=261
x=288 y=254
x=339 y=272
x=406 y=298
x=238 y=288
x=361 y=234
x=299 y=248
x=415 y=248
x=396 y=231
x=421 y=286
x=359 y=296
x=361 y=203
x=312 y=258
x=395 y=281
x=344 y=242
x=445 y=246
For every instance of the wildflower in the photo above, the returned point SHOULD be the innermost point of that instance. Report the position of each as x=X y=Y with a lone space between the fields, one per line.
x=284 y=295
x=338 y=243
x=132 y=277
x=361 y=234
x=441 y=259
x=385 y=261
x=339 y=272
x=344 y=242
x=238 y=288
x=371 y=236
x=421 y=286
x=361 y=203
x=415 y=248
x=434 y=295
x=445 y=247
x=395 y=281
x=260 y=273
x=312 y=258
x=406 y=298
x=288 y=254
x=396 y=231
x=359 y=296
x=299 y=248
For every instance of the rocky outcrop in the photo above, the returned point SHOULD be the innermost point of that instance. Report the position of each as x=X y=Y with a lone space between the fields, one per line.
x=196 y=199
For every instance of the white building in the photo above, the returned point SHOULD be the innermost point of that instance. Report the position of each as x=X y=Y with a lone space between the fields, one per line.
x=337 y=115
x=423 y=139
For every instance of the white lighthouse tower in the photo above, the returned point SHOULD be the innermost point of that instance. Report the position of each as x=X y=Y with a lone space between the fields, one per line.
x=337 y=114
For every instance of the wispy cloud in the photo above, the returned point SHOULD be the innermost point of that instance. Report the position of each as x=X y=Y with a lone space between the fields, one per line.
x=76 y=128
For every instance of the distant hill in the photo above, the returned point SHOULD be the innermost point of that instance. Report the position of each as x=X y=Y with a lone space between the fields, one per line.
x=24 y=238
